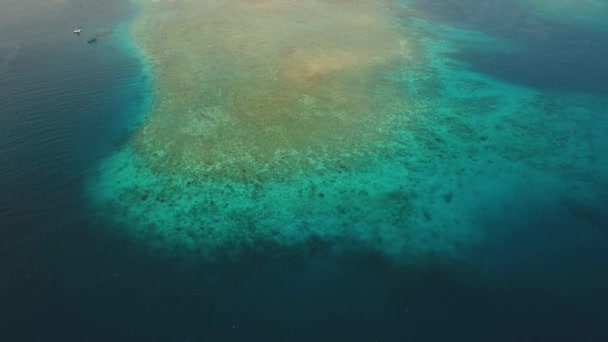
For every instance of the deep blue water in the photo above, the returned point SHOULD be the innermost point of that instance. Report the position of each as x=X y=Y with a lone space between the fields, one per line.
x=565 y=56
x=65 y=105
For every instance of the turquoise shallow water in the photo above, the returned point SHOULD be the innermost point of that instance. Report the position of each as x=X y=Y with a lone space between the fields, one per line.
x=469 y=144
x=483 y=219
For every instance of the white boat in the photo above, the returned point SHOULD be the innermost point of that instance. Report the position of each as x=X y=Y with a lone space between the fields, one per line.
x=77 y=30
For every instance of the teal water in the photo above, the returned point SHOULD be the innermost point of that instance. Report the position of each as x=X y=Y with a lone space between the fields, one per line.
x=484 y=217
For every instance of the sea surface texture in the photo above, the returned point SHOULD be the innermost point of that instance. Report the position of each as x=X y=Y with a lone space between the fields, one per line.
x=304 y=170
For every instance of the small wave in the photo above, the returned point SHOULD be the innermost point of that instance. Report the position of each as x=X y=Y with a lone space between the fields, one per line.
x=8 y=53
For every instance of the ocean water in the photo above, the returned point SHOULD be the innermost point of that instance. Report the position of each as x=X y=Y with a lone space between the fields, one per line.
x=466 y=201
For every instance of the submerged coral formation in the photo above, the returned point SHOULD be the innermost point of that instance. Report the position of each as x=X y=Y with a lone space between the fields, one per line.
x=300 y=125
x=262 y=88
